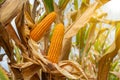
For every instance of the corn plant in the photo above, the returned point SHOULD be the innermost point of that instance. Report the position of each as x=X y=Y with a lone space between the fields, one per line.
x=58 y=40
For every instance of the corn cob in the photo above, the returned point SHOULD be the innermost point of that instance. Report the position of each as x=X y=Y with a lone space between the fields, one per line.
x=37 y=32
x=54 y=51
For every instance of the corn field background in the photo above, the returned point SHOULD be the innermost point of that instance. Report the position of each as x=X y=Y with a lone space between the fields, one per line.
x=59 y=40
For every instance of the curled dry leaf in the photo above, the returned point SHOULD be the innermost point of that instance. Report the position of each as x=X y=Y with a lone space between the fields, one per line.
x=27 y=69
x=35 y=51
x=69 y=69
x=37 y=55
x=84 y=18
x=24 y=70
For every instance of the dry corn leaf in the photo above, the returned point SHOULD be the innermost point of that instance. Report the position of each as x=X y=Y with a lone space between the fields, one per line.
x=35 y=51
x=66 y=41
x=5 y=43
x=12 y=32
x=107 y=58
x=104 y=65
x=36 y=3
x=36 y=76
x=61 y=67
x=29 y=20
x=84 y=18
x=27 y=7
x=71 y=15
x=101 y=31
x=11 y=7
x=70 y=69
x=102 y=2
x=65 y=49
x=16 y=72
x=23 y=30
x=14 y=36
x=27 y=69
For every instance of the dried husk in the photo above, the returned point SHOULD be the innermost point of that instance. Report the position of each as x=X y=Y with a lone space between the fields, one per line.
x=9 y=10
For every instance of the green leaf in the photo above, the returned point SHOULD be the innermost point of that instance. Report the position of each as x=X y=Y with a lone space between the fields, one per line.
x=48 y=5
x=3 y=75
x=106 y=49
x=1 y=1
x=78 y=38
x=88 y=31
x=89 y=41
x=63 y=3
x=100 y=42
x=82 y=41
x=112 y=77
x=114 y=65
x=76 y=4
x=17 y=52
x=97 y=46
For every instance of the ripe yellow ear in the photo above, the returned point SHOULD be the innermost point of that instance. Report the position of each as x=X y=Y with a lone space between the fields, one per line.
x=37 y=33
x=54 y=51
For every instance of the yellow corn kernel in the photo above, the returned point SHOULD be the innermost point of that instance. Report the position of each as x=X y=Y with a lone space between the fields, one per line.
x=54 y=51
x=37 y=33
